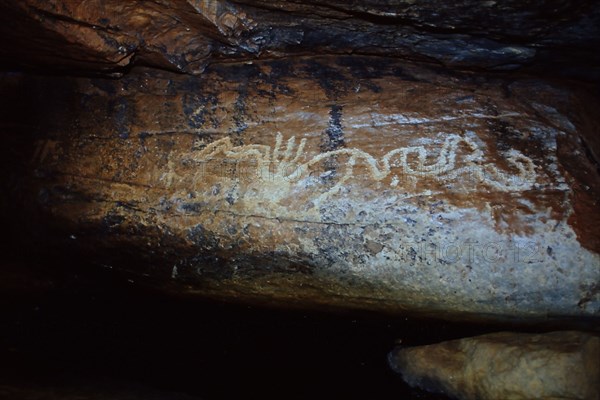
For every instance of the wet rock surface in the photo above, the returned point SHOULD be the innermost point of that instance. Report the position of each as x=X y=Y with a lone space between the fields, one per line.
x=556 y=365
x=353 y=182
x=554 y=37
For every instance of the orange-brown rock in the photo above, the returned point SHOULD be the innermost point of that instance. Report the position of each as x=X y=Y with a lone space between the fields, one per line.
x=344 y=181
x=506 y=365
x=108 y=36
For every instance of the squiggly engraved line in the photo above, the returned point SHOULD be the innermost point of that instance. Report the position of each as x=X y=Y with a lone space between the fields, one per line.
x=443 y=168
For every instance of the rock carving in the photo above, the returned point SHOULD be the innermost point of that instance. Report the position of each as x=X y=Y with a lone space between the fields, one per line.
x=290 y=162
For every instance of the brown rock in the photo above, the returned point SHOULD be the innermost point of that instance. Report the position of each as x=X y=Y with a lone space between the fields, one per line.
x=342 y=181
x=506 y=366
x=184 y=35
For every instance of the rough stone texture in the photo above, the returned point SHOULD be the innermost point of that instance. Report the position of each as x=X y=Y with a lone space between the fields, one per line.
x=508 y=366
x=184 y=35
x=347 y=181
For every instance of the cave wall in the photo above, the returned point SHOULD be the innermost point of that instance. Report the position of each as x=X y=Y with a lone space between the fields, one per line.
x=391 y=156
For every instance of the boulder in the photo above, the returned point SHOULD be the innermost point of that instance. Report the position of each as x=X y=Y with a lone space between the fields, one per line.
x=506 y=366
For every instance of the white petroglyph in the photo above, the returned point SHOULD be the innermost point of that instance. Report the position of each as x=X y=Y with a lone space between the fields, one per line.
x=292 y=163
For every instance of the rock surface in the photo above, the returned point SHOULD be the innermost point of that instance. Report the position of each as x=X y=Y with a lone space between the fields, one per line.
x=506 y=366
x=185 y=35
x=350 y=181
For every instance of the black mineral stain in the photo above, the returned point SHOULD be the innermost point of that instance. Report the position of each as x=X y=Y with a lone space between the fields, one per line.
x=252 y=79
x=247 y=75
x=365 y=67
x=334 y=132
x=111 y=222
x=192 y=208
x=333 y=139
x=127 y=205
x=143 y=136
x=230 y=199
x=202 y=238
x=240 y=113
x=198 y=108
x=120 y=111
x=280 y=69
x=332 y=80
x=200 y=101
x=365 y=71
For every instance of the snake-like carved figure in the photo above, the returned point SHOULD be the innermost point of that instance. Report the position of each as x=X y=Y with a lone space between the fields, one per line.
x=290 y=162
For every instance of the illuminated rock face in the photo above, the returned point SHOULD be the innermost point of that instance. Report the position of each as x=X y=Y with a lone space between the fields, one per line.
x=506 y=365
x=343 y=181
